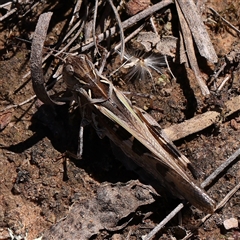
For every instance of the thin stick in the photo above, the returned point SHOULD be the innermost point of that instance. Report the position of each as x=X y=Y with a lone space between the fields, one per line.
x=127 y=23
x=94 y=26
x=80 y=142
x=134 y=33
x=224 y=20
x=163 y=222
x=228 y=196
x=203 y=185
x=103 y=60
x=220 y=169
x=8 y=14
x=120 y=28
x=72 y=30
x=153 y=25
x=219 y=206
x=18 y=105
x=76 y=9
x=169 y=69
x=216 y=74
x=223 y=83
x=30 y=9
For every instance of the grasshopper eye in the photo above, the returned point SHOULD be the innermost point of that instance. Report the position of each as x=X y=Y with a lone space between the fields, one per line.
x=69 y=69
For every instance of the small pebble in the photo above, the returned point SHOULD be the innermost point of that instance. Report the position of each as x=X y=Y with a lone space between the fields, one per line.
x=116 y=237
x=135 y=6
x=230 y=223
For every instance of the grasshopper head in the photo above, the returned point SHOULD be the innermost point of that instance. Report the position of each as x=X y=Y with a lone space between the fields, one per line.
x=78 y=71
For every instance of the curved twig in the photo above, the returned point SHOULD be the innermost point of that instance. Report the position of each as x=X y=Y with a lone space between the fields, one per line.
x=38 y=79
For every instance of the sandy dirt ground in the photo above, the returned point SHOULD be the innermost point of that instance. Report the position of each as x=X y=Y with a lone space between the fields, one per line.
x=40 y=186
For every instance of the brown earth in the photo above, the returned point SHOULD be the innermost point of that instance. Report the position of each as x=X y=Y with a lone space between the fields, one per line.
x=39 y=184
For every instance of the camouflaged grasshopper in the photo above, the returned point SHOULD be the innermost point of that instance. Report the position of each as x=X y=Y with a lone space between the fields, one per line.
x=137 y=134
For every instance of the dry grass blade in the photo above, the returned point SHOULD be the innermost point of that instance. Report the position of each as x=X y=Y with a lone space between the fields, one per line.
x=81 y=23
x=130 y=36
x=71 y=31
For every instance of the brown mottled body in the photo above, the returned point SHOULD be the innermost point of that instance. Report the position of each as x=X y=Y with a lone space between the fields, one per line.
x=133 y=130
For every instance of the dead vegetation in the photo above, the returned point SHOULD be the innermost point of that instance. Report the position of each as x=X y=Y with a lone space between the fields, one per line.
x=190 y=87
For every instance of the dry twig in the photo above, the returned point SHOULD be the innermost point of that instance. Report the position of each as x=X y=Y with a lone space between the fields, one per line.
x=36 y=59
x=204 y=184
x=193 y=125
x=188 y=43
x=9 y=13
x=223 y=83
x=197 y=28
x=120 y=28
x=200 y=122
x=75 y=11
x=219 y=206
x=163 y=222
x=94 y=25
x=225 y=21
x=19 y=104
x=127 y=23
x=220 y=169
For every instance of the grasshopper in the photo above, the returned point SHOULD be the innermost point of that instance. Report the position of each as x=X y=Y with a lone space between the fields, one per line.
x=137 y=134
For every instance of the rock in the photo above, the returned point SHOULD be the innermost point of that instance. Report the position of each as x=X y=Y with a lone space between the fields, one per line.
x=112 y=203
x=230 y=223
x=117 y=237
x=148 y=40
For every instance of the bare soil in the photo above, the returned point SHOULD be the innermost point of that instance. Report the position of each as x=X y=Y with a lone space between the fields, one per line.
x=39 y=184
